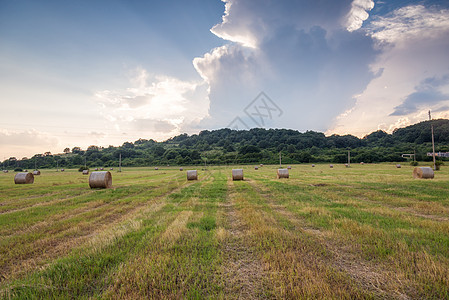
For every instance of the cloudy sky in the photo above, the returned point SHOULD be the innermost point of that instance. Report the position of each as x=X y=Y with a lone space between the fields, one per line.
x=80 y=73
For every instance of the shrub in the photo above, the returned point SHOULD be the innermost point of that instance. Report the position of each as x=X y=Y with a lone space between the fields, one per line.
x=81 y=169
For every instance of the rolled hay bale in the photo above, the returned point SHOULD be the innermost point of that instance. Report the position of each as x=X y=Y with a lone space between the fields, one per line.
x=111 y=169
x=313 y=166
x=156 y=168
x=100 y=180
x=398 y=166
x=192 y=175
x=289 y=167
x=85 y=172
x=347 y=165
x=101 y=169
x=24 y=178
x=181 y=169
x=331 y=166
x=261 y=165
x=5 y=171
x=362 y=163
x=62 y=170
x=237 y=174
x=282 y=173
x=256 y=168
x=36 y=172
x=96 y=169
x=423 y=173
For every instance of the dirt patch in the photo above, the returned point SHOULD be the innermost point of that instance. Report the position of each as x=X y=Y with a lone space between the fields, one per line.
x=244 y=274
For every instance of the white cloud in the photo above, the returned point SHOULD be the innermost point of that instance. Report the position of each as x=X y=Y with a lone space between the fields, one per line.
x=25 y=143
x=358 y=14
x=411 y=23
x=297 y=56
x=413 y=69
x=158 y=106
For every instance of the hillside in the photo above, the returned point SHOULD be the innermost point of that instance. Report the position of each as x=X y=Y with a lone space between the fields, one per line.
x=226 y=146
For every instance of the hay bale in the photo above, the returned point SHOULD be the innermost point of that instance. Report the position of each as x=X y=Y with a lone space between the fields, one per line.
x=423 y=173
x=85 y=172
x=36 y=172
x=156 y=168
x=101 y=180
x=362 y=163
x=282 y=173
x=256 y=168
x=289 y=167
x=237 y=174
x=261 y=165
x=331 y=166
x=96 y=169
x=313 y=166
x=111 y=169
x=398 y=166
x=181 y=169
x=101 y=169
x=5 y=171
x=24 y=178
x=192 y=175
x=62 y=170
x=347 y=165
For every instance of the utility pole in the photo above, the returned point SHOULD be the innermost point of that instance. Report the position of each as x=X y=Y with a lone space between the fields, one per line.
x=120 y=162
x=433 y=143
x=349 y=158
x=280 y=159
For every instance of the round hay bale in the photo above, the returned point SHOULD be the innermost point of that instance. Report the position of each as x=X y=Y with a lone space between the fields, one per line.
x=96 y=169
x=331 y=166
x=237 y=174
x=282 y=173
x=423 y=173
x=156 y=168
x=181 y=169
x=289 y=167
x=24 y=178
x=256 y=168
x=36 y=172
x=62 y=170
x=85 y=172
x=101 y=180
x=398 y=166
x=261 y=165
x=192 y=175
x=5 y=171
x=313 y=166
x=362 y=163
x=101 y=169
x=111 y=169
x=347 y=165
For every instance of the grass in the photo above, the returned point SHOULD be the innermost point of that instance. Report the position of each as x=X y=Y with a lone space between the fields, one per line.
x=369 y=231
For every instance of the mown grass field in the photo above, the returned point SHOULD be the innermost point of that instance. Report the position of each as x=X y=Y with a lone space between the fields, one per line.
x=369 y=231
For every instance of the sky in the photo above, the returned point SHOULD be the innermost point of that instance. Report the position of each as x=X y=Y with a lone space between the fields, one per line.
x=97 y=72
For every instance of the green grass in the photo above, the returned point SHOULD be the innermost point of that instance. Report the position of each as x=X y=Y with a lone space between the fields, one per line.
x=369 y=231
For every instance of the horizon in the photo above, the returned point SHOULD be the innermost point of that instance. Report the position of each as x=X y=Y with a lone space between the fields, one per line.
x=104 y=73
x=189 y=135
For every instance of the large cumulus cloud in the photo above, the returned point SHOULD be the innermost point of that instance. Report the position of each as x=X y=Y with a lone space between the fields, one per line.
x=300 y=53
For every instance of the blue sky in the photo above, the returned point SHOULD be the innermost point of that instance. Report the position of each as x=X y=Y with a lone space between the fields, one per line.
x=80 y=73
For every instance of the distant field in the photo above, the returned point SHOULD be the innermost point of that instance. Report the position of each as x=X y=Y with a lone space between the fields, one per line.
x=369 y=231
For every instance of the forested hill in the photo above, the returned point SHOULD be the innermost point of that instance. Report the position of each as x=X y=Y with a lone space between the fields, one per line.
x=226 y=146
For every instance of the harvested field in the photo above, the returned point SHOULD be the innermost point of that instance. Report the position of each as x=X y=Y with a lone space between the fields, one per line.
x=369 y=231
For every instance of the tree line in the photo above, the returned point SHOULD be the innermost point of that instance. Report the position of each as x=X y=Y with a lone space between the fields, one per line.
x=258 y=145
